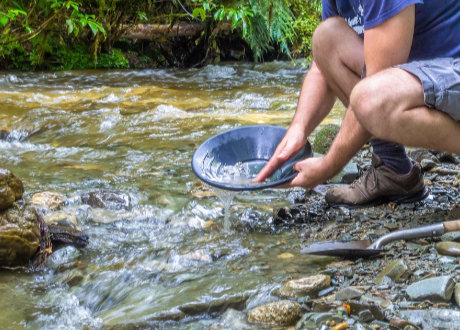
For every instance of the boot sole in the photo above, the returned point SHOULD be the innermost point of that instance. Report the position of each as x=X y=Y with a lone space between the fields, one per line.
x=401 y=199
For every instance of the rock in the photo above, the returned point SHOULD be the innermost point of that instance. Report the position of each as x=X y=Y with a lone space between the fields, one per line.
x=457 y=294
x=428 y=164
x=50 y=200
x=394 y=270
x=400 y=323
x=62 y=219
x=434 y=289
x=11 y=188
x=4 y=132
x=283 y=312
x=448 y=248
x=316 y=320
x=324 y=138
x=366 y=316
x=348 y=293
x=433 y=318
x=19 y=236
x=107 y=200
x=307 y=286
x=357 y=306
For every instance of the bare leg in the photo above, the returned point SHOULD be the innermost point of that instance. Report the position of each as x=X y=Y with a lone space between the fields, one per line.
x=390 y=106
x=338 y=53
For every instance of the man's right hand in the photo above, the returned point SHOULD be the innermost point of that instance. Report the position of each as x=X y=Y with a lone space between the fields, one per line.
x=292 y=142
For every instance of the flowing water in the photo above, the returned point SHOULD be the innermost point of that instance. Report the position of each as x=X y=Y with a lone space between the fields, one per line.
x=156 y=261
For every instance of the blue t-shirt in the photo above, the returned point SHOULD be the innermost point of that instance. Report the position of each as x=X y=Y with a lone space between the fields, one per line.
x=437 y=22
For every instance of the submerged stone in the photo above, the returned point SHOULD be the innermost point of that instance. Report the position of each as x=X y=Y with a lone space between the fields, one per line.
x=316 y=320
x=283 y=312
x=433 y=289
x=11 y=188
x=48 y=199
x=107 y=200
x=394 y=270
x=448 y=248
x=307 y=286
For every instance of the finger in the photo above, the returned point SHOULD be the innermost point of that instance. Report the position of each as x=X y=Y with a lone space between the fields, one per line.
x=272 y=165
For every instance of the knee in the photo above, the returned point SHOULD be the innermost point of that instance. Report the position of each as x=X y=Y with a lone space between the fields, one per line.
x=368 y=105
x=325 y=35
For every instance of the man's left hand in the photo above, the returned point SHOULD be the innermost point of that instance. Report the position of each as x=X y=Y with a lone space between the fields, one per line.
x=311 y=172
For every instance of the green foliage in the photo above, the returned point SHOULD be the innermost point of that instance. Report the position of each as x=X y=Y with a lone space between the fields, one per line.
x=308 y=16
x=112 y=59
x=262 y=23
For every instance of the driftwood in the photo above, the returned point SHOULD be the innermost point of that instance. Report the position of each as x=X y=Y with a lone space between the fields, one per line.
x=161 y=31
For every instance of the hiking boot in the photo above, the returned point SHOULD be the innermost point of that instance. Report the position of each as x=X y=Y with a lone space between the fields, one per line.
x=378 y=185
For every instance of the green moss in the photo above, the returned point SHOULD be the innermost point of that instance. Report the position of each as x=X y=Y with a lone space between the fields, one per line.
x=324 y=137
x=113 y=59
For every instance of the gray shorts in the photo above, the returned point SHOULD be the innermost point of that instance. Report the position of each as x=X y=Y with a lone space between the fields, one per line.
x=440 y=79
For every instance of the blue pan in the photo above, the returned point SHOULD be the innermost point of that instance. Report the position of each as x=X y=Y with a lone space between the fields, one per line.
x=230 y=160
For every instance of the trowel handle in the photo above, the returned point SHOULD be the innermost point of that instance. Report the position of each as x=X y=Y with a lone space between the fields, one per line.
x=453 y=225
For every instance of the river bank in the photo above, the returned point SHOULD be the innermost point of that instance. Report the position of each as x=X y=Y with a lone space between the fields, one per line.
x=115 y=146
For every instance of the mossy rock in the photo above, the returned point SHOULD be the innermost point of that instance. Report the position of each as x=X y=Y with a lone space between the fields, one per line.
x=19 y=236
x=324 y=138
x=11 y=188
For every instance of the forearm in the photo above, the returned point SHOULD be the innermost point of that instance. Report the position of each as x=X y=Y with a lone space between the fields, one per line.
x=349 y=140
x=315 y=101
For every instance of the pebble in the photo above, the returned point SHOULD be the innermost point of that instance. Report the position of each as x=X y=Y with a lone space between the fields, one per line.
x=457 y=294
x=448 y=248
x=307 y=286
x=436 y=289
x=394 y=270
x=348 y=293
x=283 y=312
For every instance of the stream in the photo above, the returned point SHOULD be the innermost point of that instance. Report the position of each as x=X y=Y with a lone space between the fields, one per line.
x=159 y=259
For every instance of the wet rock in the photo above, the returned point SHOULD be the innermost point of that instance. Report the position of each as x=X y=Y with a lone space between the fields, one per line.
x=324 y=138
x=433 y=318
x=357 y=306
x=19 y=236
x=348 y=293
x=283 y=312
x=316 y=320
x=4 y=133
x=307 y=286
x=434 y=289
x=215 y=305
x=62 y=219
x=401 y=323
x=448 y=248
x=394 y=270
x=457 y=294
x=11 y=188
x=107 y=200
x=48 y=199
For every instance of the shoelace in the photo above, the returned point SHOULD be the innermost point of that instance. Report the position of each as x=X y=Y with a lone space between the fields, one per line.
x=370 y=171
